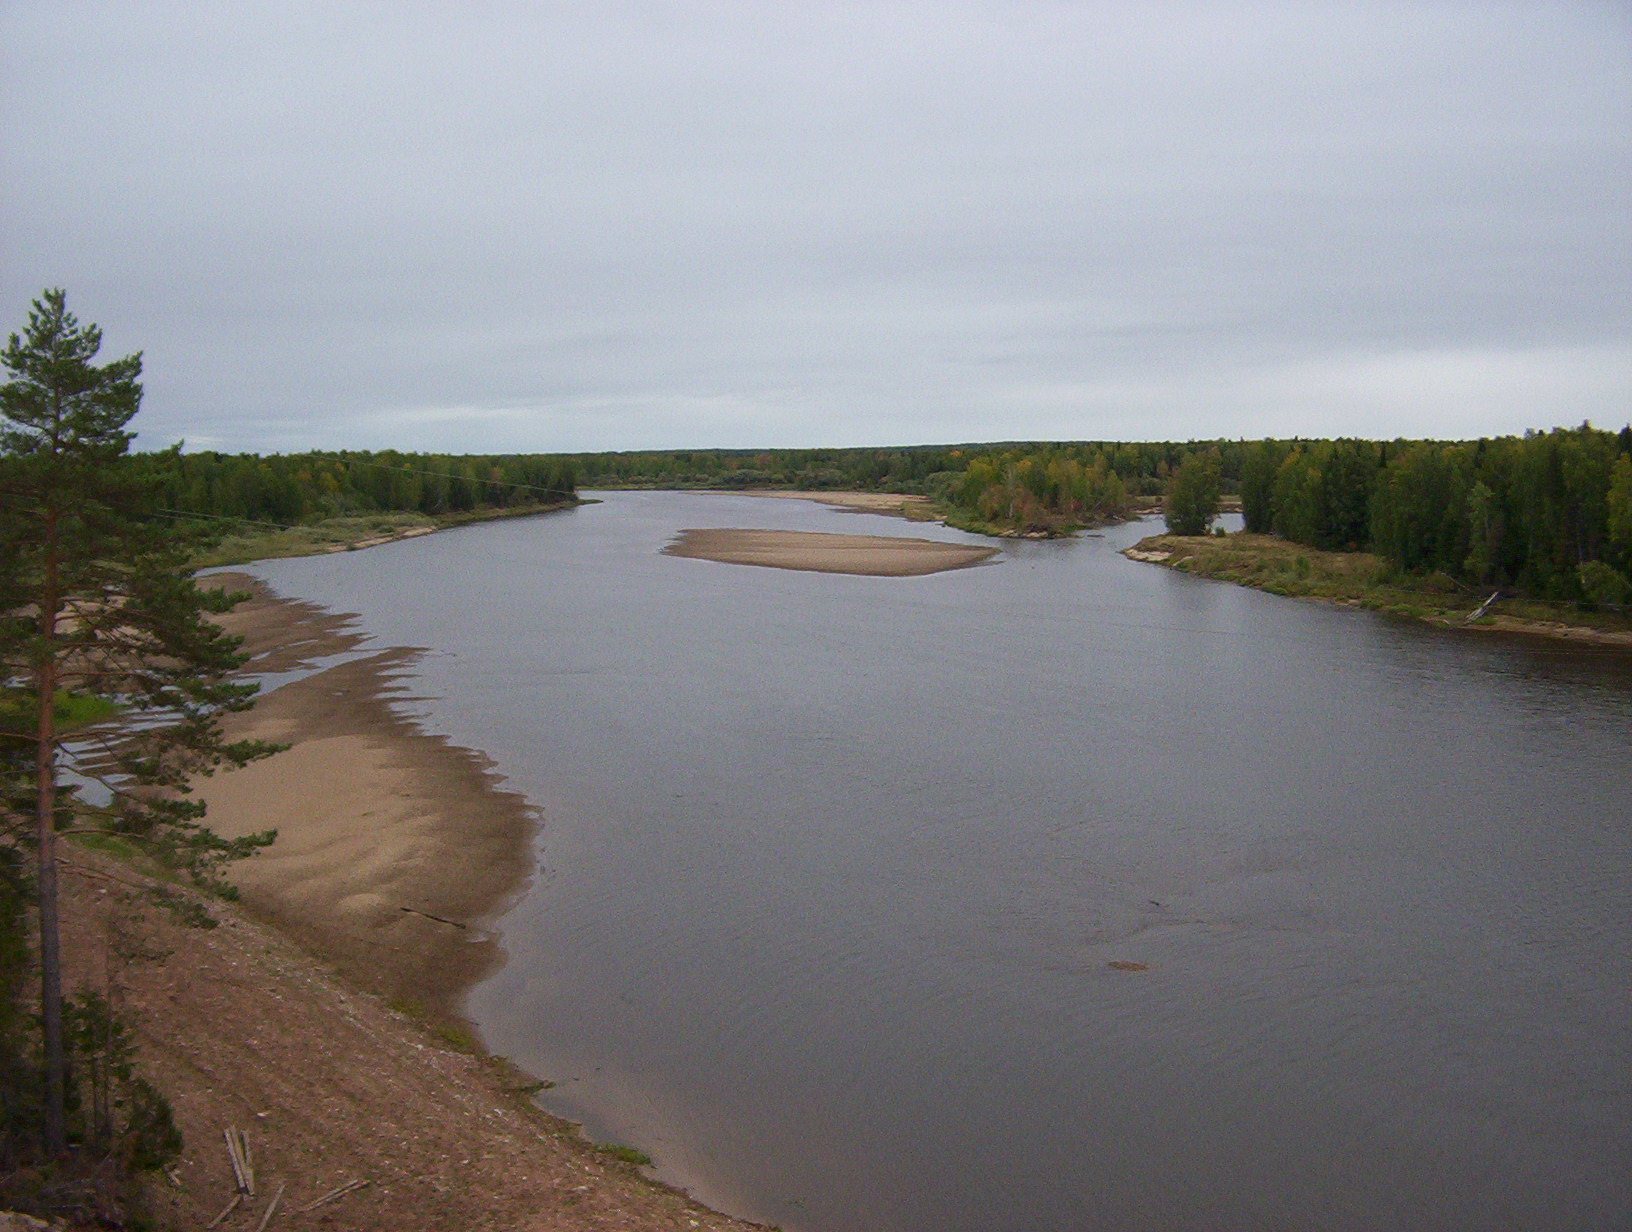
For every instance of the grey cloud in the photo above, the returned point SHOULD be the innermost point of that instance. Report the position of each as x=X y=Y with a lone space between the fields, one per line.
x=516 y=226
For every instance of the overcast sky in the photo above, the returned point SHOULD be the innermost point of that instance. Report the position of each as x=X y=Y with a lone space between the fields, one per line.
x=597 y=224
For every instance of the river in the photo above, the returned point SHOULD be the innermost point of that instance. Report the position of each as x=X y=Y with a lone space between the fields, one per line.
x=833 y=871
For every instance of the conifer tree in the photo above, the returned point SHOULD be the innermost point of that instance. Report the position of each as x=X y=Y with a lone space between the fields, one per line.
x=96 y=601
x=1192 y=496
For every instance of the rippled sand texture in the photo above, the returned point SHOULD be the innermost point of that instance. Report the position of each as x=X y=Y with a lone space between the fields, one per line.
x=393 y=846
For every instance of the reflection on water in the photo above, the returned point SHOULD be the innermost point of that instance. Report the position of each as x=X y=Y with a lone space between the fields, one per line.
x=835 y=869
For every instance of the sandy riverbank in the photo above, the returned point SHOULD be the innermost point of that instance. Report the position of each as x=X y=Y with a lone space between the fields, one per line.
x=238 y=1026
x=393 y=846
x=866 y=555
x=913 y=508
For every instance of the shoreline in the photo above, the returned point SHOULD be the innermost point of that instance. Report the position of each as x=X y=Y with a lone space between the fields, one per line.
x=395 y=849
x=353 y=532
x=1345 y=579
x=325 y=1012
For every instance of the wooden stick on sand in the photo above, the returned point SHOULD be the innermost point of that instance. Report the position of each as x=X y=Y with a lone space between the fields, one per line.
x=270 y=1207
x=332 y=1195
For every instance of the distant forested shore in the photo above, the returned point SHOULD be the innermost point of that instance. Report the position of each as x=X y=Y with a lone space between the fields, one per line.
x=1548 y=513
x=288 y=489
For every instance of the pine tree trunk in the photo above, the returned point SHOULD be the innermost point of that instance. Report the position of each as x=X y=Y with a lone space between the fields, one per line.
x=45 y=767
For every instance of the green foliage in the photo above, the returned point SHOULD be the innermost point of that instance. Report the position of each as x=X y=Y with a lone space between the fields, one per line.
x=1047 y=490
x=1604 y=586
x=1418 y=516
x=120 y=1116
x=16 y=964
x=95 y=594
x=1530 y=513
x=185 y=910
x=113 y=1114
x=1192 y=496
x=115 y=1117
x=293 y=489
x=1618 y=511
x=1258 y=474
x=625 y=1154
x=915 y=469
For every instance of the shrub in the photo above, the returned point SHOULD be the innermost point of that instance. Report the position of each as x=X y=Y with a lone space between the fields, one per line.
x=1604 y=585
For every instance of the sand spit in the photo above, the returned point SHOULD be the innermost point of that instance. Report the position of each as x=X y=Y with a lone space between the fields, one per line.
x=914 y=508
x=866 y=555
x=393 y=846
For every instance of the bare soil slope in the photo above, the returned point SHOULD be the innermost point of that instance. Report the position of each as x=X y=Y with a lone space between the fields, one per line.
x=240 y=1028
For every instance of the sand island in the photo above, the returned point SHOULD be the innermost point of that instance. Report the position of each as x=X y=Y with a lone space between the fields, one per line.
x=866 y=555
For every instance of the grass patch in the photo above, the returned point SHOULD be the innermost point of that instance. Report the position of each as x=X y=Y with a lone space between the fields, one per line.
x=68 y=711
x=183 y=909
x=309 y=539
x=449 y=1034
x=130 y=850
x=624 y=1154
x=458 y=1038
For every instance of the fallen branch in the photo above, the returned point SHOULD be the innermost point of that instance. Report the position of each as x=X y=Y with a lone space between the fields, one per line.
x=333 y=1195
x=232 y=1157
x=238 y=1152
x=230 y=1208
x=270 y=1207
x=438 y=918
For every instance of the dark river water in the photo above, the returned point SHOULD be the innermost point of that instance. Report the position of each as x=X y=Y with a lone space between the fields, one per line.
x=833 y=870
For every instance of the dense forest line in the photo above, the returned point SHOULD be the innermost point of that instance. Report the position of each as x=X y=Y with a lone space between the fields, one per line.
x=1549 y=513
x=287 y=489
x=1045 y=479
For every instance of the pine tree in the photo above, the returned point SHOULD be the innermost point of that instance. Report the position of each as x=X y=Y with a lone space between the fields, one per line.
x=96 y=602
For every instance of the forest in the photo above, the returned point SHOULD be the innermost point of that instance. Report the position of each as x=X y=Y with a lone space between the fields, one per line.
x=1547 y=514
x=286 y=489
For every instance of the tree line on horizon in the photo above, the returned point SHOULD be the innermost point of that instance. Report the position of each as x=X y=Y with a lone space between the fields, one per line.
x=288 y=489
x=1548 y=513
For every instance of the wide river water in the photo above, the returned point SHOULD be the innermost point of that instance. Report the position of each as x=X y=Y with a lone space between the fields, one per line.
x=833 y=871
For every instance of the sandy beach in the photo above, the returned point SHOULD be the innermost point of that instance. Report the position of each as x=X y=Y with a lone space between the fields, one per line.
x=393 y=846
x=865 y=555
x=322 y=1015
